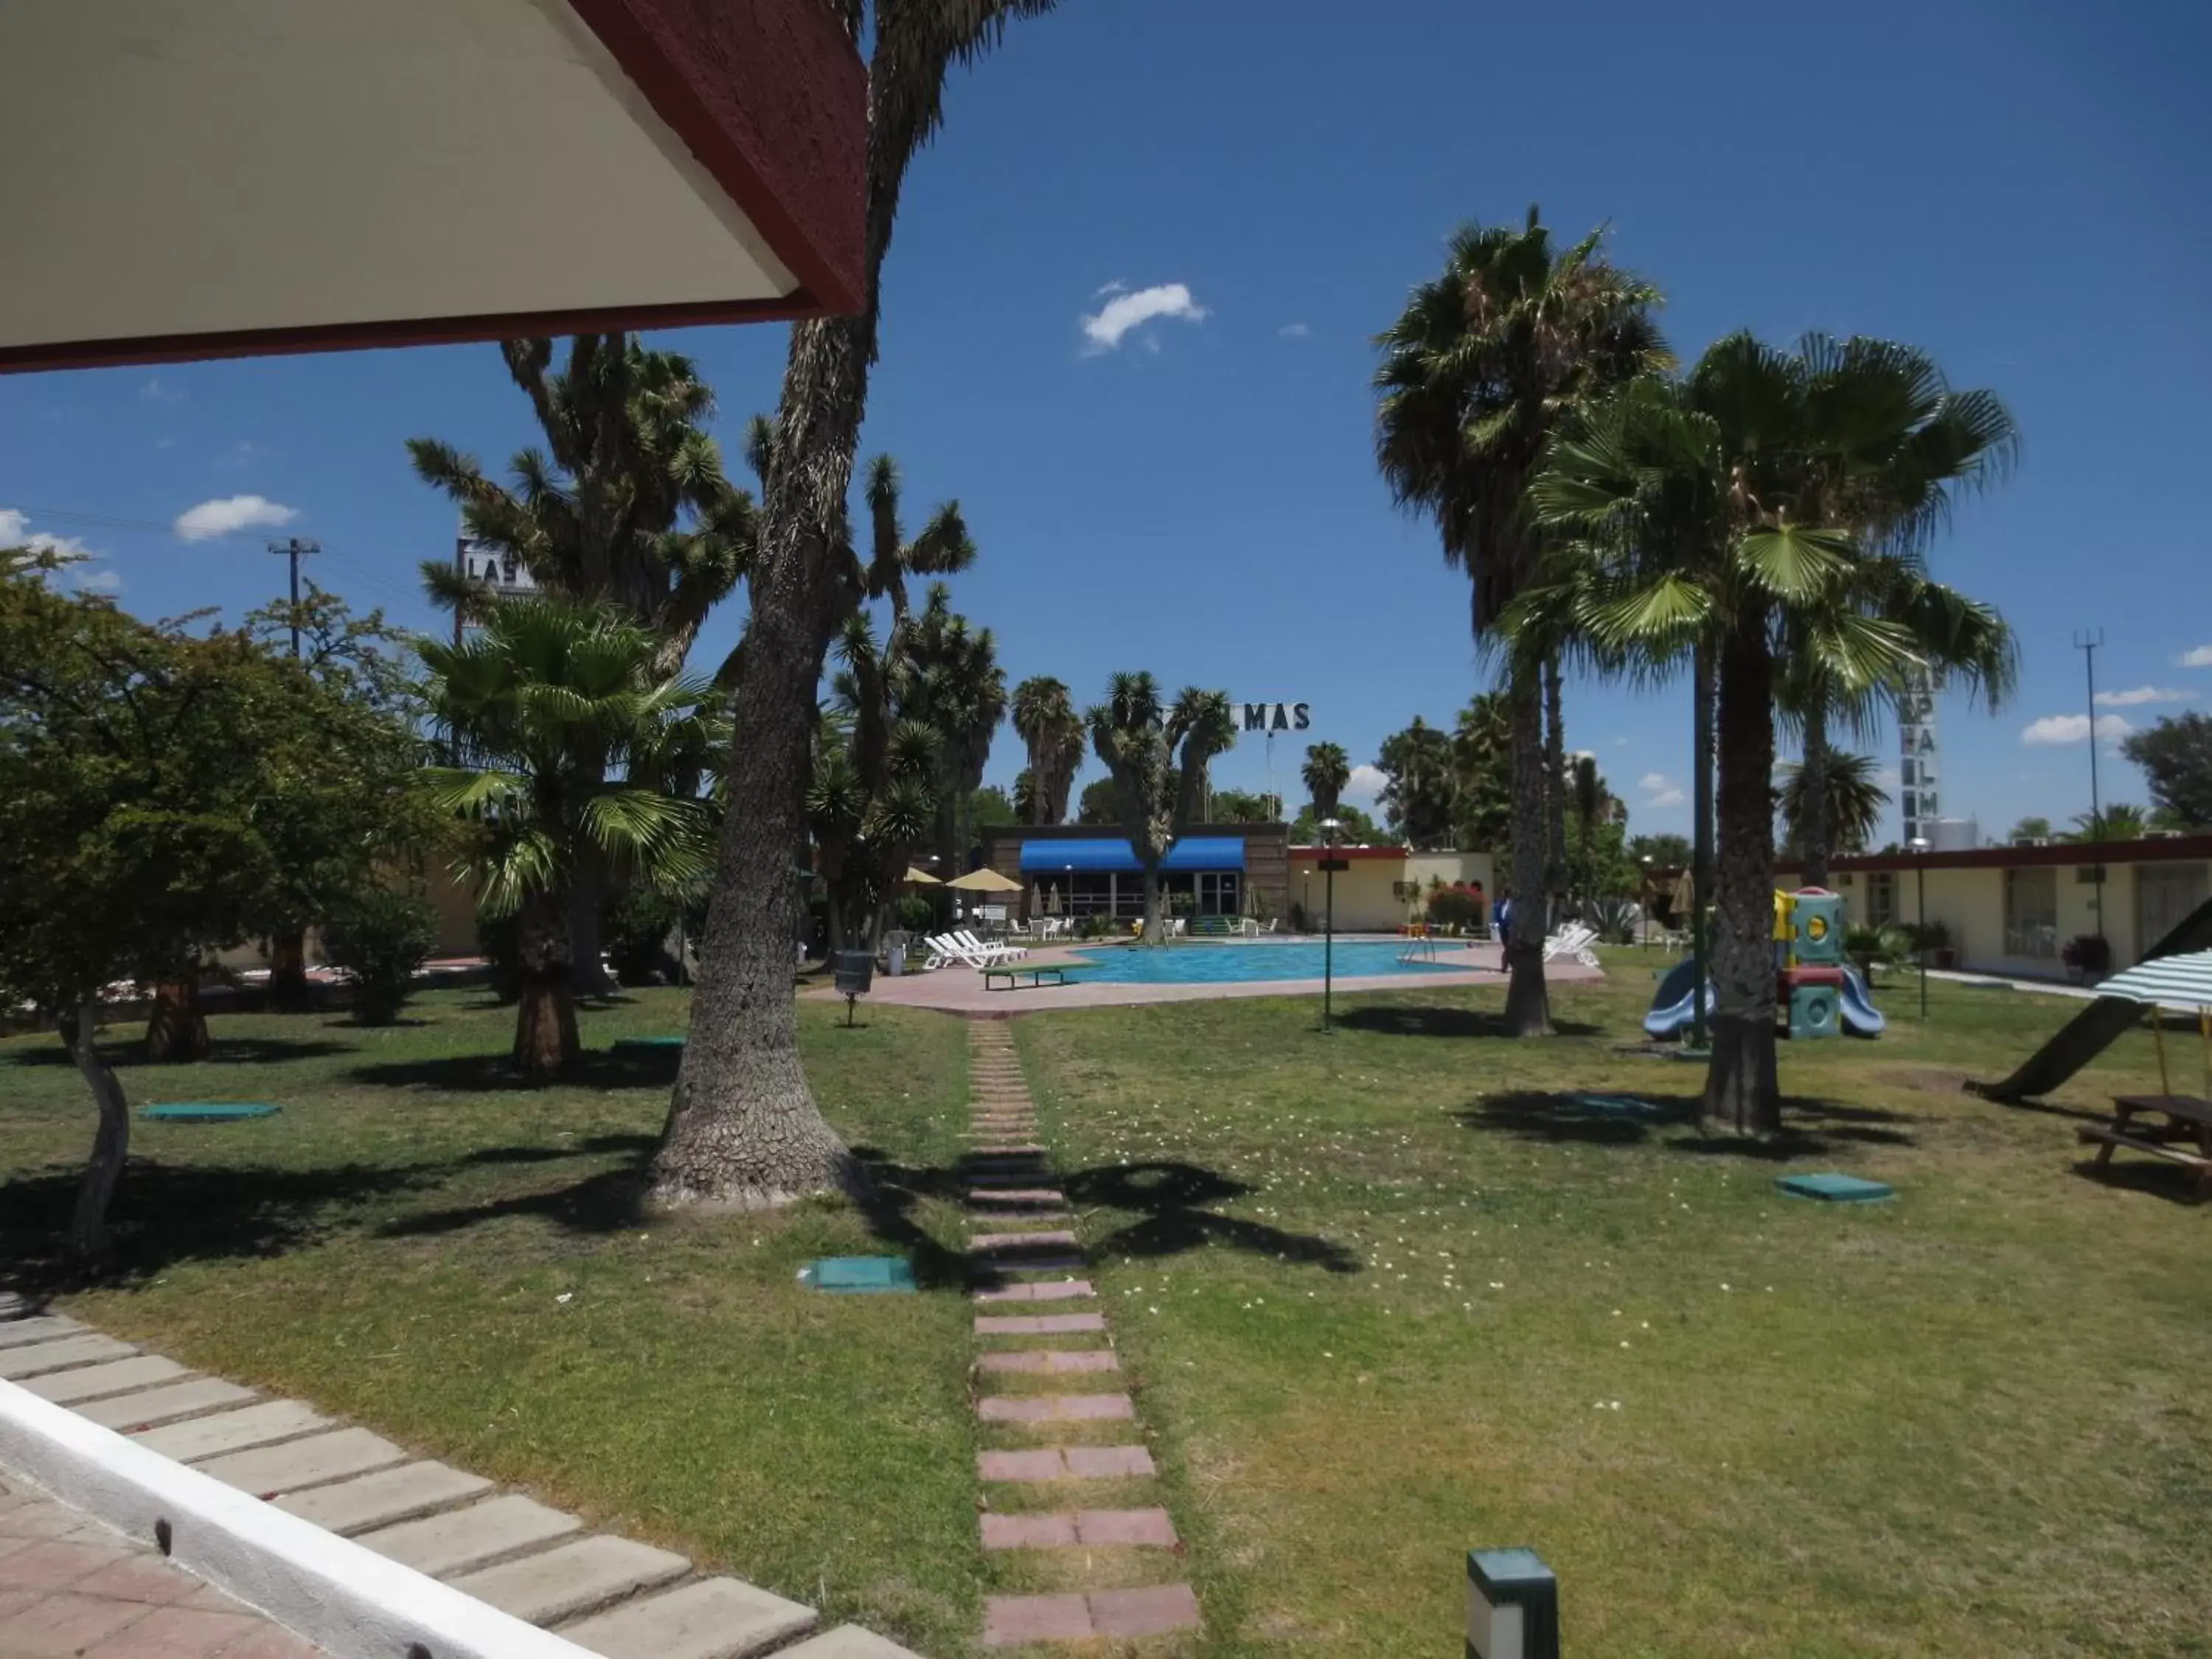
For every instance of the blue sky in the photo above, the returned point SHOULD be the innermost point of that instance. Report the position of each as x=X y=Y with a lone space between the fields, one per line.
x=2018 y=187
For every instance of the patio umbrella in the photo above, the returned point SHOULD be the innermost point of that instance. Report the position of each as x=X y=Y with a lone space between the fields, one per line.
x=985 y=880
x=1684 y=899
x=2179 y=982
x=915 y=878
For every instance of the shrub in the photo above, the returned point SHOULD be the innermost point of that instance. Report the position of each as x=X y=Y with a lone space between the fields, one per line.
x=635 y=926
x=916 y=913
x=380 y=939
x=1615 y=920
x=1453 y=907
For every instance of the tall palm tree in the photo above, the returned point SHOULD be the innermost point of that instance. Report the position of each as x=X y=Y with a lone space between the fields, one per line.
x=573 y=734
x=743 y=1129
x=1326 y=770
x=1481 y=366
x=956 y=688
x=1160 y=790
x=1046 y=721
x=1853 y=801
x=1685 y=515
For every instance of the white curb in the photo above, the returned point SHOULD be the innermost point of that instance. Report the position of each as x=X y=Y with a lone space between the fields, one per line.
x=348 y=1600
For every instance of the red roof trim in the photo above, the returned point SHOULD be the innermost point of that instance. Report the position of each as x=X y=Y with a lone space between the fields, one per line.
x=404 y=331
x=2160 y=849
x=771 y=97
x=1398 y=853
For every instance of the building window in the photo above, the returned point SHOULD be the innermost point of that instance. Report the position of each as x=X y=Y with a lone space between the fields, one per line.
x=1881 y=898
x=2031 y=914
x=1217 y=894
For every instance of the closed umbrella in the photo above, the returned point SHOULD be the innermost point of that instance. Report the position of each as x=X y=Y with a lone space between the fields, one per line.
x=2178 y=982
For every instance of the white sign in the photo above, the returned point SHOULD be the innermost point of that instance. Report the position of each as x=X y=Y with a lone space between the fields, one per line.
x=504 y=574
x=1273 y=717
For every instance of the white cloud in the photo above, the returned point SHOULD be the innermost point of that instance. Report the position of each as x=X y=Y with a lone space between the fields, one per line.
x=2053 y=729
x=2142 y=694
x=1889 y=777
x=1117 y=286
x=231 y=514
x=1620 y=742
x=154 y=392
x=1105 y=329
x=1655 y=781
x=1366 y=782
x=1294 y=331
x=2200 y=658
x=16 y=532
x=1666 y=797
x=98 y=581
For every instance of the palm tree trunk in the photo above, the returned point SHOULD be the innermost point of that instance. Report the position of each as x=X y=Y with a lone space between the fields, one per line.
x=1816 y=827
x=111 y=1143
x=545 y=1042
x=1555 y=783
x=176 y=1029
x=1701 y=830
x=288 y=991
x=1743 y=1093
x=1528 y=1005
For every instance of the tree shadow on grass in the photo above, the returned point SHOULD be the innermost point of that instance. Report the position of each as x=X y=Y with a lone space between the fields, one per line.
x=1169 y=1200
x=595 y=1068
x=130 y=1055
x=167 y=1213
x=1400 y=1021
x=1607 y=1119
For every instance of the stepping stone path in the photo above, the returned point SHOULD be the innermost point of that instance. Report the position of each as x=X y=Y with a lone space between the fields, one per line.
x=610 y=1595
x=1020 y=1225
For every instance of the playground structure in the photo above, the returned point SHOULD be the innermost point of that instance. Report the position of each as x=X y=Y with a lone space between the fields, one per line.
x=1815 y=982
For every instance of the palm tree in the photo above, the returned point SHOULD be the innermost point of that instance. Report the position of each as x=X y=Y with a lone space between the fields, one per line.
x=1159 y=791
x=1685 y=515
x=743 y=1129
x=2119 y=821
x=1853 y=803
x=1326 y=770
x=572 y=736
x=1482 y=365
x=1046 y=721
x=955 y=687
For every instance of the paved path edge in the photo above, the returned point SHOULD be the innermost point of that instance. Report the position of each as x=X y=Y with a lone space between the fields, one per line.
x=346 y=1599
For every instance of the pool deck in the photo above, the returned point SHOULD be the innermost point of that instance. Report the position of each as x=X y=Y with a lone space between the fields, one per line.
x=958 y=990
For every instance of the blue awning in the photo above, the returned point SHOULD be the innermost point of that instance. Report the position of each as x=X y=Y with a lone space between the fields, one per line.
x=1044 y=858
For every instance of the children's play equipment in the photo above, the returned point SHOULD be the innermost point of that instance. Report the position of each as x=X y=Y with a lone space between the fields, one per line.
x=1814 y=984
x=2096 y=1027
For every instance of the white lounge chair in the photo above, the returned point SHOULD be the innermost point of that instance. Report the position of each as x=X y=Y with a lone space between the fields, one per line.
x=986 y=953
x=944 y=950
x=1574 y=940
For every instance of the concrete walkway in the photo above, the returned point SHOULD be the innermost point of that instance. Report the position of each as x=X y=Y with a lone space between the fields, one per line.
x=611 y=1596
x=1047 y=1372
x=70 y=1586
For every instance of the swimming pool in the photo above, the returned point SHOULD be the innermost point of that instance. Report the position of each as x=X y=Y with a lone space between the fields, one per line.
x=1222 y=964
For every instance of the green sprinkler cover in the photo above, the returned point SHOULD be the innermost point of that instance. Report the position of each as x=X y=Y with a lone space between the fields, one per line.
x=1835 y=1188
x=206 y=1111
x=860 y=1275
x=621 y=1043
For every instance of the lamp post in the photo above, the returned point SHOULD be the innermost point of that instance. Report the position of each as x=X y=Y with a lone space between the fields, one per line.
x=1646 y=906
x=1330 y=865
x=1919 y=846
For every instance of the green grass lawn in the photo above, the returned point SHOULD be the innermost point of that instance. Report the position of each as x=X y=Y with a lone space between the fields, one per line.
x=1385 y=1299
x=459 y=1262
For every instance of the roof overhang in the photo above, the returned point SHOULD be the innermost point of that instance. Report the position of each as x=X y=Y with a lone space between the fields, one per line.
x=213 y=178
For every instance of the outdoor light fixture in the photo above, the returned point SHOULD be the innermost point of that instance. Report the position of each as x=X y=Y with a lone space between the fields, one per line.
x=1919 y=846
x=1330 y=864
x=1512 y=1606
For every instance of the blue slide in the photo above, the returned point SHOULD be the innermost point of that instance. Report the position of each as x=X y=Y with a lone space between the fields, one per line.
x=1670 y=1008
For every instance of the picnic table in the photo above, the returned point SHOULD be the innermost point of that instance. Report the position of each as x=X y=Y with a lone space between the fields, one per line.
x=2186 y=1119
x=1012 y=971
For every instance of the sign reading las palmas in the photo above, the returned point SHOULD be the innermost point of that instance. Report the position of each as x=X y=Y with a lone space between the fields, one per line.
x=1273 y=717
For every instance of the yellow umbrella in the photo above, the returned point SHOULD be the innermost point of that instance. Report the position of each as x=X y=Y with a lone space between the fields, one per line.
x=920 y=878
x=1685 y=896
x=985 y=880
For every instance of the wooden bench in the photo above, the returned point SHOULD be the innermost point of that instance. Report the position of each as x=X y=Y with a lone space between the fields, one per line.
x=2187 y=1119
x=1011 y=973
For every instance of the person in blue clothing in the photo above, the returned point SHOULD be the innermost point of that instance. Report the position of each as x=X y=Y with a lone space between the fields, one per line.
x=1503 y=912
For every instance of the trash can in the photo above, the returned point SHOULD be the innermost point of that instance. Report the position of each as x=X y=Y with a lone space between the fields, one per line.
x=895 y=960
x=853 y=970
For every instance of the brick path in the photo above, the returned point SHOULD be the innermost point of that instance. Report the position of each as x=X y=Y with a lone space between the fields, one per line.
x=70 y=1586
x=610 y=1595
x=1086 y=1498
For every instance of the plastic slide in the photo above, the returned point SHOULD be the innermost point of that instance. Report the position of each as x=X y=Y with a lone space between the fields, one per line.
x=2096 y=1027
x=1860 y=1016
x=1670 y=1008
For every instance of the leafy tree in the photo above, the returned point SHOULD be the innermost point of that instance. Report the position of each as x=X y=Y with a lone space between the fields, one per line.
x=991 y=808
x=1599 y=866
x=1666 y=850
x=1243 y=806
x=742 y=1129
x=2029 y=829
x=2176 y=758
x=1100 y=805
x=1482 y=765
x=136 y=763
x=1484 y=363
x=1852 y=812
x=1420 y=789
x=578 y=746
x=1046 y=721
x=1328 y=769
x=1683 y=516
x=1355 y=827
x=1156 y=754
x=2118 y=821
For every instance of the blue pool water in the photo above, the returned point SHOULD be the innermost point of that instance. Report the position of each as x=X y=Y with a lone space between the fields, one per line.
x=1219 y=964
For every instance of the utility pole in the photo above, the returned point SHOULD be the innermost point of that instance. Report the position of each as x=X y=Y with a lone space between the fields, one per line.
x=293 y=551
x=2086 y=644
